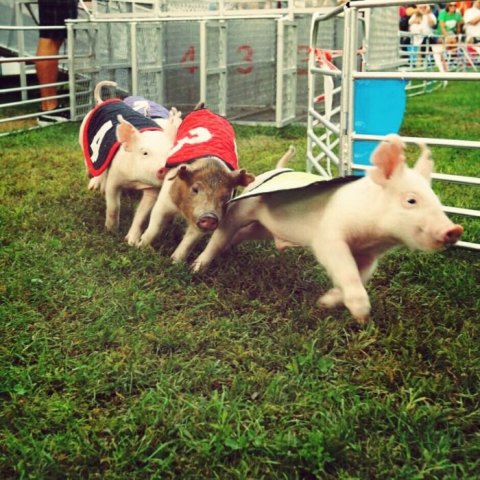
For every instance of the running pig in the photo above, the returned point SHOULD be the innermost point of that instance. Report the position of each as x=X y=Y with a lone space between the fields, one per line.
x=201 y=175
x=123 y=149
x=347 y=223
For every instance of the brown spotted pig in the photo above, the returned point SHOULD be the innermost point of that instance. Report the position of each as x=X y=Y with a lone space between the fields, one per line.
x=201 y=174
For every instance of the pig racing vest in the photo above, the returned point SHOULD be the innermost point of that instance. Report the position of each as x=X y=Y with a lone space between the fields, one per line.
x=203 y=133
x=99 y=142
x=286 y=179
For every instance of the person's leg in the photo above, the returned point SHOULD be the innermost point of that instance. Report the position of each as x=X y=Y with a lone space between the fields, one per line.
x=47 y=70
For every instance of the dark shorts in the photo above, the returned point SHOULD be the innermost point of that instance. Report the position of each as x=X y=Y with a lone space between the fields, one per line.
x=55 y=12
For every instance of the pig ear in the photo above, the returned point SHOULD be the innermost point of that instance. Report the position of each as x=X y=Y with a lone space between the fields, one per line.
x=241 y=178
x=127 y=134
x=184 y=173
x=424 y=165
x=388 y=159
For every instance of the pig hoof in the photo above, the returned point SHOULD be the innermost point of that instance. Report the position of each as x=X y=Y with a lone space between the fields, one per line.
x=333 y=298
x=142 y=243
x=361 y=320
x=175 y=116
x=196 y=267
x=111 y=225
x=132 y=239
x=359 y=310
x=94 y=183
x=178 y=258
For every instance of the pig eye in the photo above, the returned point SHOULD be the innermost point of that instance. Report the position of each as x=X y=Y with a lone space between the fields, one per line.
x=409 y=200
x=144 y=153
x=195 y=189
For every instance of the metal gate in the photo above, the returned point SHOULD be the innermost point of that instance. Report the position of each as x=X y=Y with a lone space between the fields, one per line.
x=213 y=65
x=286 y=99
x=246 y=59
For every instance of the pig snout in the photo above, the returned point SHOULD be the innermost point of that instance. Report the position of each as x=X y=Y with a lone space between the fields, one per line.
x=161 y=173
x=452 y=235
x=208 y=222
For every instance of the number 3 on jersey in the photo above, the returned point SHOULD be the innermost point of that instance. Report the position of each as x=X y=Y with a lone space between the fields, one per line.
x=194 y=136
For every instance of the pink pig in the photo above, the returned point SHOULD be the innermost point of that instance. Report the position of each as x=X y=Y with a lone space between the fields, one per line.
x=121 y=154
x=348 y=226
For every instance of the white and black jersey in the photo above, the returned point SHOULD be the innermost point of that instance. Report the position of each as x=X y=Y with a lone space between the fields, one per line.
x=99 y=142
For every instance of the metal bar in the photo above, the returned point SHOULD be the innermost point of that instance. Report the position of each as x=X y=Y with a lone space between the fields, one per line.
x=462 y=211
x=325 y=140
x=134 y=57
x=324 y=71
x=33 y=115
x=183 y=18
x=473 y=246
x=32 y=58
x=444 y=142
x=21 y=48
x=314 y=24
x=420 y=75
x=223 y=59
x=71 y=71
x=317 y=165
x=327 y=152
x=390 y=3
x=279 y=73
x=326 y=123
x=348 y=91
x=474 y=181
x=203 y=60
x=320 y=17
x=29 y=27
x=29 y=88
x=29 y=102
x=457 y=179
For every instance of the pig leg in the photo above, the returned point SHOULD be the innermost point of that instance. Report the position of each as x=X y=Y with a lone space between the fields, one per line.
x=239 y=215
x=334 y=296
x=171 y=125
x=189 y=240
x=163 y=211
x=342 y=268
x=144 y=207
x=98 y=183
x=254 y=231
x=112 y=198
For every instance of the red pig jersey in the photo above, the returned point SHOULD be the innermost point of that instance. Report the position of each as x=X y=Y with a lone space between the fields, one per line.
x=99 y=142
x=203 y=133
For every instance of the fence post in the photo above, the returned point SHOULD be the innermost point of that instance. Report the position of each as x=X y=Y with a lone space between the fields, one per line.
x=21 y=49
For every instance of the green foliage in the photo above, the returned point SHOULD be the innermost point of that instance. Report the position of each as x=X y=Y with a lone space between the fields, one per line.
x=116 y=364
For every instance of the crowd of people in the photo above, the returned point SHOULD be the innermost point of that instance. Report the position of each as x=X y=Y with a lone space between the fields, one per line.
x=441 y=23
x=438 y=28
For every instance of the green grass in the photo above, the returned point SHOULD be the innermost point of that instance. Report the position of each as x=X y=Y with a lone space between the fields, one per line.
x=116 y=364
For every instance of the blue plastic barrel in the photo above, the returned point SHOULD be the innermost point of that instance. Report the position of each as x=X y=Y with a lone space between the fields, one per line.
x=379 y=106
